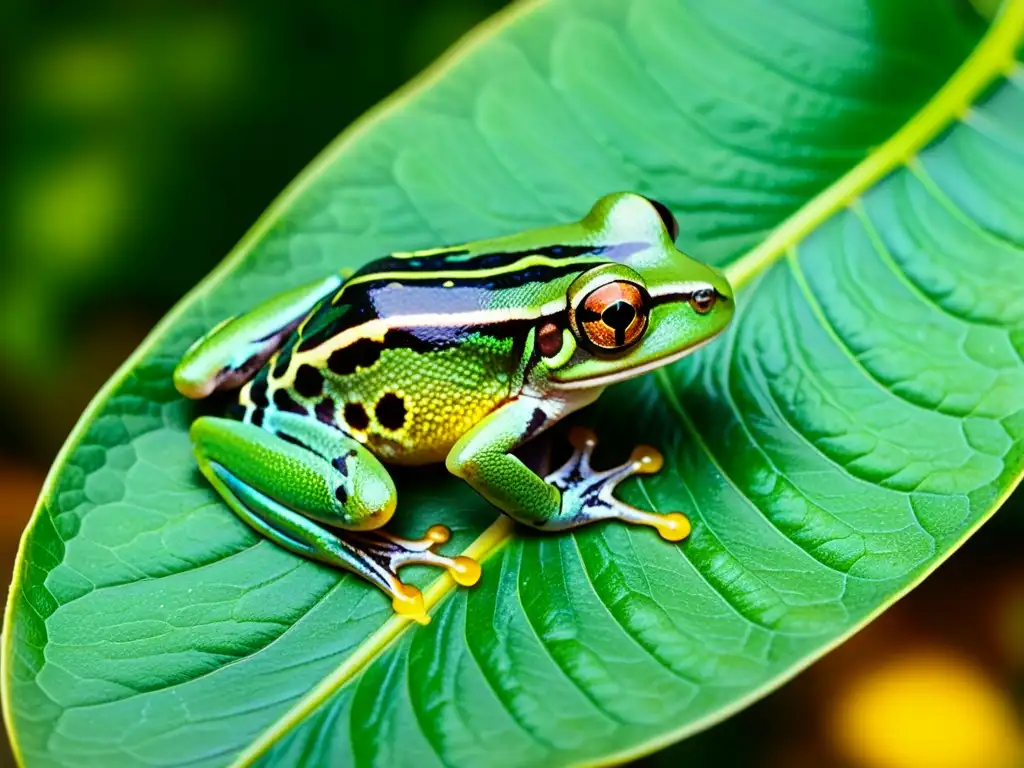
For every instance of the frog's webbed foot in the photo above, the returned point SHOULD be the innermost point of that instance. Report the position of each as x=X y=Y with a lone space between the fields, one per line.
x=311 y=507
x=386 y=553
x=376 y=555
x=587 y=494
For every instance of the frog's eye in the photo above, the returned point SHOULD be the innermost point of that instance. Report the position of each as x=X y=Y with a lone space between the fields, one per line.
x=671 y=225
x=613 y=316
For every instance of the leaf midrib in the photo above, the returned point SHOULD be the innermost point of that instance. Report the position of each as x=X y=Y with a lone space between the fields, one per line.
x=993 y=57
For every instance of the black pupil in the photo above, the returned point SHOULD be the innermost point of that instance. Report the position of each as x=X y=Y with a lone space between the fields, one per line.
x=618 y=316
x=703 y=297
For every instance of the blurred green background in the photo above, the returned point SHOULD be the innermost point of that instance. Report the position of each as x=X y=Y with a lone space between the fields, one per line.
x=142 y=140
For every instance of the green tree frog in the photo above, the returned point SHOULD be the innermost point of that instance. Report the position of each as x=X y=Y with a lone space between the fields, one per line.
x=456 y=355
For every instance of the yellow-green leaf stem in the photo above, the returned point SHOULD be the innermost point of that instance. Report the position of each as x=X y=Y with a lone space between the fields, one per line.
x=993 y=58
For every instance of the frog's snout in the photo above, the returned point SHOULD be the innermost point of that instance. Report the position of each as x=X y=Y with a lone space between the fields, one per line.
x=723 y=287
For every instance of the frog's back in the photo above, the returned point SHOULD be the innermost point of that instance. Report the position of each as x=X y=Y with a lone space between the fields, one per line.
x=406 y=365
x=416 y=348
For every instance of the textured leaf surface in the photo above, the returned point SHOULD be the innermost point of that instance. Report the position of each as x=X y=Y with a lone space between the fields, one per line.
x=863 y=416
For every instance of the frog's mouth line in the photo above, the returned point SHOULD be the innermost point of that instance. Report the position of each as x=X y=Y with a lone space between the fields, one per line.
x=650 y=365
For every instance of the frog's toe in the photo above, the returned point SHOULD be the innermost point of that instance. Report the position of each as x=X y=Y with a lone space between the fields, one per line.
x=648 y=459
x=408 y=602
x=465 y=571
x=584 y=440
x=588 y=494
x=675 y=526
x=395 y=552
x=388 y=553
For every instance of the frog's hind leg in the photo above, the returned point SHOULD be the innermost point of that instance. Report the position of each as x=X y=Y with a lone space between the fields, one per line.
x=284 y=486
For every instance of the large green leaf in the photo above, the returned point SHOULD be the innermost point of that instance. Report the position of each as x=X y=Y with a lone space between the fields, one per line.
x=857 y=164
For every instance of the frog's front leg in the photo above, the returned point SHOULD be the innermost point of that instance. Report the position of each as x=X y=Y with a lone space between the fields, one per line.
x=285 y=487
x=571 y=496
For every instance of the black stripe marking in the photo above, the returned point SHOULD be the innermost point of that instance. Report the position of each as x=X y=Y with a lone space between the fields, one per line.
x=670 y=298
x=511 y=278
x=386 y=297
x=449 y=260
x=293 y=440
x=539 y=273
x=328 y=319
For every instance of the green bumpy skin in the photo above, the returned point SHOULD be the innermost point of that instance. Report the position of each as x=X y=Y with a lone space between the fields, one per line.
x=459 y=354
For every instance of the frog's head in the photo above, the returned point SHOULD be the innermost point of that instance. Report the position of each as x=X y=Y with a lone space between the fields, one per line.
x=649 y=306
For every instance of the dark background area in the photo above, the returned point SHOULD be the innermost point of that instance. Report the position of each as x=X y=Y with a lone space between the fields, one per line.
x=143 y=139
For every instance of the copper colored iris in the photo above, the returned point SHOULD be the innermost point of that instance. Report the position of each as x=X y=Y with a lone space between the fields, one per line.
x=613 y=316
